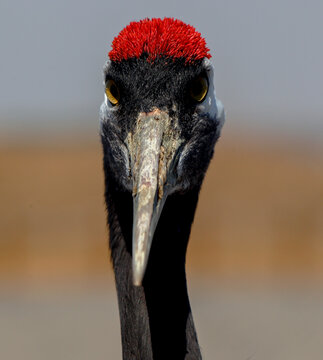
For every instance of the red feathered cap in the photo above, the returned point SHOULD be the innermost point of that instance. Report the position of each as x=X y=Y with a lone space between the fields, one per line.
x=159 y=37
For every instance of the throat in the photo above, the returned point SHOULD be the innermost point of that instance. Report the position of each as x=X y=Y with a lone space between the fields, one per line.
x=156 y=319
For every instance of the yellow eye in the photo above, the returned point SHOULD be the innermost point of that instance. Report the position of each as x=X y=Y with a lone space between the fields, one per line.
x=198 y=88
x=112 y=92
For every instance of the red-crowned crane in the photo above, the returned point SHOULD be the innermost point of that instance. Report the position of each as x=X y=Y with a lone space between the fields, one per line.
x=159 y=120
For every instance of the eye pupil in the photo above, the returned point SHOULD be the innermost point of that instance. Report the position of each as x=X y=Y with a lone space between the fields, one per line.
x=198 y=89
x=112 y=92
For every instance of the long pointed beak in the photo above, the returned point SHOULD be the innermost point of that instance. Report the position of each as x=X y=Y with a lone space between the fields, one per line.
x=153 y=147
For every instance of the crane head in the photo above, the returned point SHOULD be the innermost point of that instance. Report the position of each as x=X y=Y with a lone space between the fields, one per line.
x=160 y=119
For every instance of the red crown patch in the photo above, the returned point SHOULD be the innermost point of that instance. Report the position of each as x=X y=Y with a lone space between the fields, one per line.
x=159 y=37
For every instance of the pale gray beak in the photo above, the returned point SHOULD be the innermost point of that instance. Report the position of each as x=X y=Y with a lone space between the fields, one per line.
x=153 y=147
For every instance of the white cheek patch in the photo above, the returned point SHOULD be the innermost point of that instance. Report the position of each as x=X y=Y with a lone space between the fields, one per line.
x=109 y=106
x=211 y=105
x=106 y=110
x=220 y=116
x=103 y=115
x=106 y=107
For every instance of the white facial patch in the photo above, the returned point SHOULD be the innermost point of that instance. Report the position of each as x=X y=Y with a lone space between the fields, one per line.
x=106 y=107
x=211 y=105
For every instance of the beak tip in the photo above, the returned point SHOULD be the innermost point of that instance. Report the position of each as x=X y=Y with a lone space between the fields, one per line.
x=137 y=279
x=136 y=283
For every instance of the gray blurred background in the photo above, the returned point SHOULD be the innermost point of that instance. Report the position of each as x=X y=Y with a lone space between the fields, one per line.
x=268 y=58
x=255 y=268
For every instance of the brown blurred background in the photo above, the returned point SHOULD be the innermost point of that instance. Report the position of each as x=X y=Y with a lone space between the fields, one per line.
x=254 y=260
x=255 y=269
x=259 y=215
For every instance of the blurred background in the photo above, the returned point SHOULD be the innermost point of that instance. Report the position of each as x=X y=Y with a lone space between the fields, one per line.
x=255 y=268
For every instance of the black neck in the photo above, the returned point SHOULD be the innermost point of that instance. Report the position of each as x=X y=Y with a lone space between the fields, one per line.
x=156 y=319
